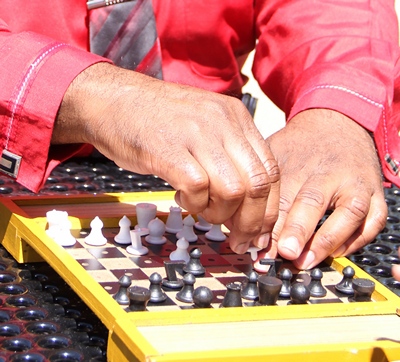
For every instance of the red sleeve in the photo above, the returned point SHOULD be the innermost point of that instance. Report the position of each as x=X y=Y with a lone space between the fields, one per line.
x=35 y=72
x=339 y=55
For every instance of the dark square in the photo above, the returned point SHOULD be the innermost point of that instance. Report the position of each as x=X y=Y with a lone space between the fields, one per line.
x=134 y=274
x=106 y=252
x=91 y=264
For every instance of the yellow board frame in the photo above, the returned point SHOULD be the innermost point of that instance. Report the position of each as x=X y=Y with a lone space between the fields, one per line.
x=359 y=331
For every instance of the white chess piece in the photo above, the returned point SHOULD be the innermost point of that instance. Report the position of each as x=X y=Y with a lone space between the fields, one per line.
x=181 y=252
x=187 y=232
x=253 y=250
x=124 y=235
x=215 y=233
x=60 y=228
x=202 y=224
x=156 y=232
x=174 y=221
x=96 y=236
x=145 y=212
x=136 y=248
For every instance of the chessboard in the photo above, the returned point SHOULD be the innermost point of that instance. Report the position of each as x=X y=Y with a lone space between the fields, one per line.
x=172 y=329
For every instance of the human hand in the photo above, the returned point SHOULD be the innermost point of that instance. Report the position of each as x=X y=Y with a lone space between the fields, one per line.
x=327 y=162
x=204 y=144
x=396 y=269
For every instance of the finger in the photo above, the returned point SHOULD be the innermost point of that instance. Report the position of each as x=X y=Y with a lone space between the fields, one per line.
x=337 y=228
x=307 y=209
x=246 y=222
x=188 y=177
x=374 y=223
x=396 y=272
x=269 y=253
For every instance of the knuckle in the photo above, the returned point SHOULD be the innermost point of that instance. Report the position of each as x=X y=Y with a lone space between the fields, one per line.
x=298 y=229
x=273 y=171
x=328 y=242
x=234 y=192
x=357 y=209
x=312 y=197
x=199 y=184
x=285 y=203
x=259 y=186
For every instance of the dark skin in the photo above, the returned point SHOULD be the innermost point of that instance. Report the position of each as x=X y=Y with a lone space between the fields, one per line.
x=208 y=148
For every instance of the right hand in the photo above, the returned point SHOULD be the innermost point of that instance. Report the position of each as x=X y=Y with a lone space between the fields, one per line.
x=204 y=144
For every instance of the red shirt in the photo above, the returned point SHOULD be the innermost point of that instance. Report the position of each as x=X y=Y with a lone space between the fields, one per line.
x=337 y=55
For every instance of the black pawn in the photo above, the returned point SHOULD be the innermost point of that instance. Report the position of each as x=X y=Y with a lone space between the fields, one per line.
x=138 y=298
x=299 y=294
x=286 y=276
x=202 y=297
x=232 y=296
x=268 y=289
x=122 y=295
x=186 y=293
x=363 y=289
x=194 y=265
x=250 y=288
x=346 y=284
x=315 y=286
x=157 y=295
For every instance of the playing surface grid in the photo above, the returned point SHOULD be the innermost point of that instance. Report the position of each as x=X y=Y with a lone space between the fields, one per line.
x=107 y=263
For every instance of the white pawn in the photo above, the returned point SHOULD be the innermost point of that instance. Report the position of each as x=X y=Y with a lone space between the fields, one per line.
x=124 y=235
x=253 y=250
x=215 y=233
x=202 y=224
x=96 y=236
x=145 y=212
x=60 y=228
x=136 y=248
x=181 y=252
x=174 y=221
x=156 y=232
x=187 y=231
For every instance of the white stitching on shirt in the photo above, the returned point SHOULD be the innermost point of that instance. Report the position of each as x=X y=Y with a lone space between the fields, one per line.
x=377 y=104
x=23 y=86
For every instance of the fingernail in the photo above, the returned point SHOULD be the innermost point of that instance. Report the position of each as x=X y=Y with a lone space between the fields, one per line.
x=291 y=244
x=260 y=267
x=263 y=241
x=241 y=248
x=309 y=260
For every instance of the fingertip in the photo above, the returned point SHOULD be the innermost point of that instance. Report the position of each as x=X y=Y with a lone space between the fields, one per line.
x=262 y=241
x=396 y=272
x=306 y=260
x=289 y=248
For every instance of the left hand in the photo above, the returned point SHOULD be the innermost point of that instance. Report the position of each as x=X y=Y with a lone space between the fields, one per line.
x=327 y=162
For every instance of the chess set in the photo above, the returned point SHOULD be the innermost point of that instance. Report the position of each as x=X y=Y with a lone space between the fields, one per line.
x=216 y=320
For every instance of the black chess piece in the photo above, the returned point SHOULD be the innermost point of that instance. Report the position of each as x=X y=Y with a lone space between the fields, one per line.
x=122 y=295
x=275 y=265
x=346 y=284
x=250 y=287
x=363 y=289
x=172 y=281
x=232 y=296
x=186 y=293
x=299 y=294
x=194 y=265
x=202 y=297
x=316 y=288
x=157 y=295
x=268 y=289
x=138 y=297
x=286 y=276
